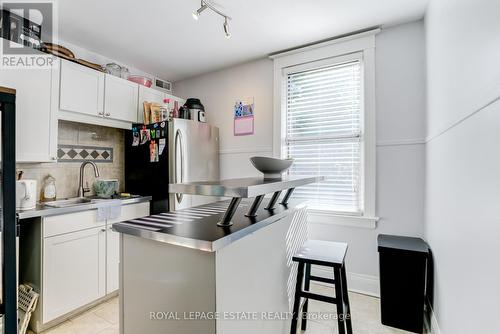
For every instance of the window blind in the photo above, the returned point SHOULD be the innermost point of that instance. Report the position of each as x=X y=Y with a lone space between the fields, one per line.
x=323 y=134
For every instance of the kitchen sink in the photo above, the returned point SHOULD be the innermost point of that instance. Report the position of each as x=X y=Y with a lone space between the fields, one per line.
x=71 y=202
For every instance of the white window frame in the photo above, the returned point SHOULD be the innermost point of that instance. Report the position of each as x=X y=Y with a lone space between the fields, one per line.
x=323 y=54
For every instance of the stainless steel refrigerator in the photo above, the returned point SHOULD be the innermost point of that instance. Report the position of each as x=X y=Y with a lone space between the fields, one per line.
x=8 y=219
x=191 y=153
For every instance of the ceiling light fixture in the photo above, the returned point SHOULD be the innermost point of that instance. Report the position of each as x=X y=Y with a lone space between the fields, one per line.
x=196 y=13
x=204 y=5
x=226 y=28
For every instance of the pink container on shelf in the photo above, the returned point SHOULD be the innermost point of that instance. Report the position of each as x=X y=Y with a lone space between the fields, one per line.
x=145 y=81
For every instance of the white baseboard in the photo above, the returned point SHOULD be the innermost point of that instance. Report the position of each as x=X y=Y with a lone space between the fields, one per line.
x=369 y=285
x=360 y=283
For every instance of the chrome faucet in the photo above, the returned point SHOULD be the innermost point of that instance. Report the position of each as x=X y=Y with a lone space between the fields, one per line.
x=81 y=189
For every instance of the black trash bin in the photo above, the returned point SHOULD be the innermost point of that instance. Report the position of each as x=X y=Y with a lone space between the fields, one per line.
x=403 y=276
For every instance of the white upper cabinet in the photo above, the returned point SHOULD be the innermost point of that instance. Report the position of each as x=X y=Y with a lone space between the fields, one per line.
x=36 y=117
x=120 y=99
x=147 y=95
x=172 y=98
x=82 y=89
x=90 y=96
x=156 y=96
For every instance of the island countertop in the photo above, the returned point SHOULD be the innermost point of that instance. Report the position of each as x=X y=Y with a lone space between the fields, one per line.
x=243 y=187
x=197 y=227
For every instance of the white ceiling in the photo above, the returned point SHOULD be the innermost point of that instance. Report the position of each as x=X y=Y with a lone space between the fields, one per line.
x=161 y=37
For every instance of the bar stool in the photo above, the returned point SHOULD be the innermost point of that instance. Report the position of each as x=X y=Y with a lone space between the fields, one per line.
x=329 y=254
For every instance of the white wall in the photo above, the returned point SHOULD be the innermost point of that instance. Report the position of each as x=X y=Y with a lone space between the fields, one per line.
x=218 y=92
x=400 y=89
x=463 y=187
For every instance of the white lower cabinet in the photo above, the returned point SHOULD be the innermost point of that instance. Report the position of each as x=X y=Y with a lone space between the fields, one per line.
x=73 y=271
x=112 y=260
x=81 y=259
x=113 y=243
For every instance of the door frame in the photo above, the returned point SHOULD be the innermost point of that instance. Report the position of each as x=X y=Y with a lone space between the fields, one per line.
x=9 y=216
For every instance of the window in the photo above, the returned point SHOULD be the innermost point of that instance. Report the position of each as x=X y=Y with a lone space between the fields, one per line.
x=323 y=134
x=324 y=118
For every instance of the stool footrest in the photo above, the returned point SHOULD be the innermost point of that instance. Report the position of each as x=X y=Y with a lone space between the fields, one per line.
x=322 y=279
x=315 y=296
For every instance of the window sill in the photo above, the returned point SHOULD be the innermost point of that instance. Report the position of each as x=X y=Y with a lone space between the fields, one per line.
x=331 y=218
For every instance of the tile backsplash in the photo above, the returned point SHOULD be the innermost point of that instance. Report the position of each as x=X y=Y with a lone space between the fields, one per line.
x=81 y=142
x=81 y=153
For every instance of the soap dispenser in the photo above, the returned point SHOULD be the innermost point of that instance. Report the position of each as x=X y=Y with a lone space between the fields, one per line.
x=49 y=189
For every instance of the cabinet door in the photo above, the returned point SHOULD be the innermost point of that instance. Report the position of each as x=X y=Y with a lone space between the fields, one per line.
x=173 y=99
x=36 y=120
x=73 y=271
x=147 y=95
x=112 y=260
x=131 y=211
x=82 y=89
x=71 y=222
x=120 y=99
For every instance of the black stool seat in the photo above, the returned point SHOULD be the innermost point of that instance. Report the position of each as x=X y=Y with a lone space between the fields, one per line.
x=323 y=253
x=329 y=254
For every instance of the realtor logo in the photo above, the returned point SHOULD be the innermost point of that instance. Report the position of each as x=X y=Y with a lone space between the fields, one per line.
x=24 y=27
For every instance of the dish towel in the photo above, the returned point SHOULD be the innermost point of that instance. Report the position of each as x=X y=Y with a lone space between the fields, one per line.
x=111 y=210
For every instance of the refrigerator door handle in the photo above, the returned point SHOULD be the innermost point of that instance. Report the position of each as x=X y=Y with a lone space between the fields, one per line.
x=178 y=142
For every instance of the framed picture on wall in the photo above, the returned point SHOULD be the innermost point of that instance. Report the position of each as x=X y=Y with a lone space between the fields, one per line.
x=243 y=113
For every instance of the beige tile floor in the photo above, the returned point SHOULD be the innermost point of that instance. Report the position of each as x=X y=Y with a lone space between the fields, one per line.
x=365 y=313
x=103 y=319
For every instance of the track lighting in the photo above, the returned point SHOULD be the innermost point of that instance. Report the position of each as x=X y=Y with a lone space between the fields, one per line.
x=196 y=14
x=226 y=28
x=204 y=5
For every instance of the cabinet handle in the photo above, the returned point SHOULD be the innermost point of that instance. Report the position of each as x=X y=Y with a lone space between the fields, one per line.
x=103 y=230
x=54 y=158
x=101 y=113
x=107 y=114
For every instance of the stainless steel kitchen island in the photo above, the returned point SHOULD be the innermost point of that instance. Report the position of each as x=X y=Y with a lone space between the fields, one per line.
x=184 y=272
